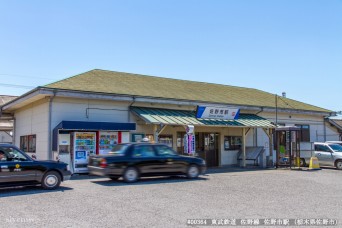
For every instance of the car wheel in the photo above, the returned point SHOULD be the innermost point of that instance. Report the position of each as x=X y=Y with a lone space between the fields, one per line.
x=114 y=178
x=131 y=175
x=193 y=172
x=51 y=180
x=339 y=165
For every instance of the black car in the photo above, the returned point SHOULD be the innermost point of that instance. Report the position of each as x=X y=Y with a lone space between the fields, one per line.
x=18 y=169
x=131 y=161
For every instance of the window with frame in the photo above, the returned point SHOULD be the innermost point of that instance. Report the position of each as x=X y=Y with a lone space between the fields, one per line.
x=304 y=133
x=28 y=143
x=232 y=142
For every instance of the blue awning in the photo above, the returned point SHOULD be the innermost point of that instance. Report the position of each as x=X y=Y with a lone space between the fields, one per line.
x=89 y=126
x=84 y=125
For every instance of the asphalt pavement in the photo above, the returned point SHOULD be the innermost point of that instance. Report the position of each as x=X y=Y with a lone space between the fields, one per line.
x=230 y=194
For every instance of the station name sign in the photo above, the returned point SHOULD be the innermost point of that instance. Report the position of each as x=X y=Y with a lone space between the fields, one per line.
x=217 y=112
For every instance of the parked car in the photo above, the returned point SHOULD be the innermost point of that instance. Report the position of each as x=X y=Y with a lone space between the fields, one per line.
x=336 y=142
x=19 y=169
x=134 y=160
x=328 y=154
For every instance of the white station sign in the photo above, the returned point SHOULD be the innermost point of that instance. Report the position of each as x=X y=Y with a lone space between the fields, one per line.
x=217 y=112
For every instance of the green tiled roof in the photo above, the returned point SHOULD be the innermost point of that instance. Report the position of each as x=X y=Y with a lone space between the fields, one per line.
x=181 y=117
x=149 y=86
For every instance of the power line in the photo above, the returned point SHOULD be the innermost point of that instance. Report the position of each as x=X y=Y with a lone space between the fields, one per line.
x=27 y=76
x=17 y=86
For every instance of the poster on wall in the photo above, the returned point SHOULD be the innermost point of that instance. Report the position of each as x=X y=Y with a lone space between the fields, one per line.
x=226 y=143
x=107 y=140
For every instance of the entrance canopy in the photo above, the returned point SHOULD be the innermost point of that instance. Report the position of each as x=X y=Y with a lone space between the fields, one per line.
x=181 y=117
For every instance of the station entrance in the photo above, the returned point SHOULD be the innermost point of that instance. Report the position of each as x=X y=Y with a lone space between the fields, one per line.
x=206 y=144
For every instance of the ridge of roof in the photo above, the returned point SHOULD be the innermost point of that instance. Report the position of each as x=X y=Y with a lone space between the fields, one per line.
x=167 y=78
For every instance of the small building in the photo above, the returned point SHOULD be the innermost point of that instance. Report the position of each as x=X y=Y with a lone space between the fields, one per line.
x=90 y=112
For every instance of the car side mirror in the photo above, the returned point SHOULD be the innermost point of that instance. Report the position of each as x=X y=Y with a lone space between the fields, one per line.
x=33 y=156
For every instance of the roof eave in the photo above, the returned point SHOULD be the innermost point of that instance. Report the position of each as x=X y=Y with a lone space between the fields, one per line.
x=47 y=91
x=26 y=98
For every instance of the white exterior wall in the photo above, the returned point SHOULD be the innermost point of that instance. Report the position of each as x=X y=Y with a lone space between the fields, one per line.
x=88 y=110
x=71 y=109
x=33 y=120
x=5 y=138
x=318 y=128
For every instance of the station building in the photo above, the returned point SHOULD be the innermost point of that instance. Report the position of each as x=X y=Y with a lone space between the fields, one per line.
x=95 y=110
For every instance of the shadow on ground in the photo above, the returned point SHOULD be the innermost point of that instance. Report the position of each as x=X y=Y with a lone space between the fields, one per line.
x=233 y=169
x=149 y=180
x=28 y=190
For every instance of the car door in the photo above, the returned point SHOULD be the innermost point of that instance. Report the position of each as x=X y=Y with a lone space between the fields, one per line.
x=4 y=168
x=336 y=154
x=171 y=161
x=145 y=159
x=17 y=167
x=324 y=155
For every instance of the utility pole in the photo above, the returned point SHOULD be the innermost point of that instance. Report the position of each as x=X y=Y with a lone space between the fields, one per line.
x=276 y=109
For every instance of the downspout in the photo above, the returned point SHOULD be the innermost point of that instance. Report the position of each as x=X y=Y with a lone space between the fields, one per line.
x=14 y=131
x=49 y=149
x=325 y=128
x=243 y=147
x=129 y=108
x=276 y=104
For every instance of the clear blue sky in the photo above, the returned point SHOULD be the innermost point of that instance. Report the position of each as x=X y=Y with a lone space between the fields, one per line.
x=272 y=45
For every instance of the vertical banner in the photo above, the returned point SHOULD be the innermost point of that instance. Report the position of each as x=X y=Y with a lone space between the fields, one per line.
x=192 y=145
x=189 y=144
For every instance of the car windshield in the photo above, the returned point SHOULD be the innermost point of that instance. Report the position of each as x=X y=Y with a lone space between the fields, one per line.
x=119 y=150
x=12 y=154
x=336 y=147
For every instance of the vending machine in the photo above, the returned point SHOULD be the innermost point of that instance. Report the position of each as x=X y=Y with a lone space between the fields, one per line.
x=107 y=140
x=84 y=145
x=64 y=154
